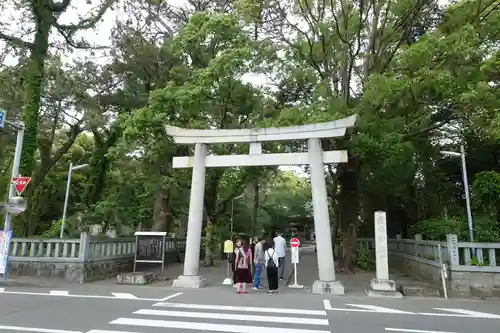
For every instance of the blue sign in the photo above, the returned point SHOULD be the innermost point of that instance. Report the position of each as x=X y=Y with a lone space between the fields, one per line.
x=2 y=118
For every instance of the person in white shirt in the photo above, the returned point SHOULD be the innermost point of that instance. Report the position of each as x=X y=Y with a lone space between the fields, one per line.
x=271 y=260
x=280 y=245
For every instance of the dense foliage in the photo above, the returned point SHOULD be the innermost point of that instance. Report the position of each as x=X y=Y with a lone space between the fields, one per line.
x=422 y=76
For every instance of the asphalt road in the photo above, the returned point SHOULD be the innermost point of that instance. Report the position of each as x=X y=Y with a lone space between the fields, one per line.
x=91 y=310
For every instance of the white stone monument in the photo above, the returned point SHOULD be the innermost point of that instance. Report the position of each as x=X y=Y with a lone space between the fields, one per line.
x=382 y=286
x=315 y=157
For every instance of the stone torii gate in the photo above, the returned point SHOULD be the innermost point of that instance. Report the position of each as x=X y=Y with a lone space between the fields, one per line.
x=315 y=158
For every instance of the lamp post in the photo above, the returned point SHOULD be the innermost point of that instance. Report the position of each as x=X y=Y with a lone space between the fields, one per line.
x=466 y=187
x=232 y=212
x=66 y=198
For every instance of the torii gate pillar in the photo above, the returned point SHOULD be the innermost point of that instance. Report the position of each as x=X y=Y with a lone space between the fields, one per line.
x=315 y=157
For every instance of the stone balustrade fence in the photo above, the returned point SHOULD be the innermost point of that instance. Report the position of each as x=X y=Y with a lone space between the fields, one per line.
x=468 y=264
x=82 y=259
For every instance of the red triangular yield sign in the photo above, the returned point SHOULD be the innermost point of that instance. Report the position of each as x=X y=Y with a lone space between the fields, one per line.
x=20 y=183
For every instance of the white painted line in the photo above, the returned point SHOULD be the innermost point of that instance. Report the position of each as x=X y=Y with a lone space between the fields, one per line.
x=186 y=325
x=2 y=290
x=170 y=297
x=35 y=329
x=380 y=309
x=59 y=293
x=228 y=316
x=124 y=295
x=79 y=296
x=412 y=331
x=108 y=331
x=327 y=304
x=462 y=313
x=242 y=308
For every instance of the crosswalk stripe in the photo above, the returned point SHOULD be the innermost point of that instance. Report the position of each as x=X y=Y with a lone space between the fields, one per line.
x=229 y=316
x=242 y=308
x=461 y=313
x=208 y=327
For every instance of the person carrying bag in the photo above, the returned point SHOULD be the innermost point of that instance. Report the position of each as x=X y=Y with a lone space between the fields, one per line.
x=272 y=264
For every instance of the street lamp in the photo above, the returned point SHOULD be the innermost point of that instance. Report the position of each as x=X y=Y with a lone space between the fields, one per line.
x=466 y=187
x=66 y=198
x=232 y=211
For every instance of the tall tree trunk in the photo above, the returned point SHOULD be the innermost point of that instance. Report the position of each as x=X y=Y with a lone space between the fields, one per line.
x=31 y=104
x=160 y=212
x=349 y=210
x=99 y=165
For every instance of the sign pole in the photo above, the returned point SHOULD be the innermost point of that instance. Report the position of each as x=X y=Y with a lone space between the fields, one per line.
x=15 y=173
x=294 y=244
x=228 y=250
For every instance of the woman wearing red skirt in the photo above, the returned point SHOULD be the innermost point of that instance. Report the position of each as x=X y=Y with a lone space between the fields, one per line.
x=243 y=268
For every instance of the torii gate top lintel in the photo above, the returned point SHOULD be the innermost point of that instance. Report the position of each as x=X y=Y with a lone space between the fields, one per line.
x=329 y=129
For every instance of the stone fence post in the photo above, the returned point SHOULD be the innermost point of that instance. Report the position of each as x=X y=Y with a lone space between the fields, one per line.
x=84 y=246
x=453 y=255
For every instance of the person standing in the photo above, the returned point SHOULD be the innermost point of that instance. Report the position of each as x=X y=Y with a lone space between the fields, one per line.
x=259 y=260
x=243 y=267
x=280 y=245
x=271 y=260
x=232 y=259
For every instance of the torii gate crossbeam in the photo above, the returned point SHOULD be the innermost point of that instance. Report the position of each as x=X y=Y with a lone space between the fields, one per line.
x=315 y=158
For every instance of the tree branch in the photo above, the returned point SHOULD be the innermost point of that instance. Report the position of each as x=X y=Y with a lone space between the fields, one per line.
x=16 y=41
x=89 y=22
x=59 y=7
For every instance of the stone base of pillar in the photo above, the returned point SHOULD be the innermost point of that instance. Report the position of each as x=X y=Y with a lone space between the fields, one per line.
x=328 y=288
x=383 y=288
x=185 y=281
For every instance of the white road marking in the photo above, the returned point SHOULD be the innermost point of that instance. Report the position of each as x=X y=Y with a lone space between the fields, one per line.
x=462 y=313
x=412 y=331
x=365 y=308
x=124 y=295
x=2 y=290
x=208 y=327
x=380 y=309
x=108 y=331
x=35 y=329
x=171 y=296
x=80 y=296
x=241 y=308
x=229 y=316
x=59 y=293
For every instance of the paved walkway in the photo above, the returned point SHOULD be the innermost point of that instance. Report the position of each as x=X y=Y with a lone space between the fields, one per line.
x=354 y=283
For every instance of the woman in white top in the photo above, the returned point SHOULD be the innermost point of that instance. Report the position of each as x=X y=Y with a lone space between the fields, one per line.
x=272 y=262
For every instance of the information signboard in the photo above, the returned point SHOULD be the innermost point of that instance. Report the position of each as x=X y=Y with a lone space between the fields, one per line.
x=5 y=237
x=150 y=247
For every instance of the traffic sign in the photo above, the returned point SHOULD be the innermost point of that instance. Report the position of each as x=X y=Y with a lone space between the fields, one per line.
x=295 y=255
x=294 y=242
x=2 y=118
x=20 y=183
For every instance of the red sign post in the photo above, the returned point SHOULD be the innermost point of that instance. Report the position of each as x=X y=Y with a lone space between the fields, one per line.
x=294 y=244
x=20 y=183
